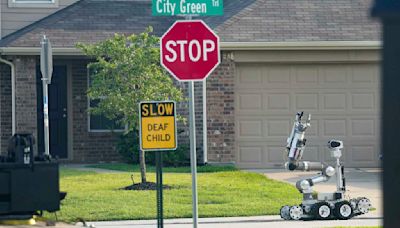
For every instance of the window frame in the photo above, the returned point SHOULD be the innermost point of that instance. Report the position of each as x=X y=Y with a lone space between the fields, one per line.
x=125 y=129
x=33 y=4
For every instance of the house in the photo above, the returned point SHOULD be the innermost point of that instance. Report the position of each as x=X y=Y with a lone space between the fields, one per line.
x=278 y=57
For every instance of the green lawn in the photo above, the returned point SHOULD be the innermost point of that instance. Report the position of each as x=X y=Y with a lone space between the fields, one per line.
x=95 y=196
x=136 y=168
x=358 y=227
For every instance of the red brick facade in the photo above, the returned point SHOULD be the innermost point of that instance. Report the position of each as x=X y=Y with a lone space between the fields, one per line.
x=220 y=112
x=100 y=146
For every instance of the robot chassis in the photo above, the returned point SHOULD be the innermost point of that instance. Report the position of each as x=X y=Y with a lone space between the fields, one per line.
x=323 y=205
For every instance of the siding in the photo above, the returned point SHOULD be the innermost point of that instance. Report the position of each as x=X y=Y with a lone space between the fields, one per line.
x=13 y=19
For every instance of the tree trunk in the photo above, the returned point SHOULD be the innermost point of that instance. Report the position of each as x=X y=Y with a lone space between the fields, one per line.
x=142 y=161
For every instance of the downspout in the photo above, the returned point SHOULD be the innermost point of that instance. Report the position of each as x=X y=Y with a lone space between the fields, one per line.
x=12 y=92
x=205 y=143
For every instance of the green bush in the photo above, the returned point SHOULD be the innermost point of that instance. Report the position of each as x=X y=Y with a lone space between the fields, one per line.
x=128 y=147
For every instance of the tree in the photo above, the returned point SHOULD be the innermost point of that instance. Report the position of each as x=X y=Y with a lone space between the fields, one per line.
x=127 y=71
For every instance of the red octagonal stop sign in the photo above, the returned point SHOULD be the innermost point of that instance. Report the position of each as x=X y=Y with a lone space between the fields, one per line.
x=190 y=50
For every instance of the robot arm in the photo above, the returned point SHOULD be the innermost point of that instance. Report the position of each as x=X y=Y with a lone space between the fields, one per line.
x=296 y=141
x=295 y=149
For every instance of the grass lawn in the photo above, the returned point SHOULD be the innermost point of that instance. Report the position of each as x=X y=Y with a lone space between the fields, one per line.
x=96 y=196
x=358 y=227
x=136 y=168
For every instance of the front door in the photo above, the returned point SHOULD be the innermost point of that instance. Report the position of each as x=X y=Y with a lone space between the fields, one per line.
x=57 y=112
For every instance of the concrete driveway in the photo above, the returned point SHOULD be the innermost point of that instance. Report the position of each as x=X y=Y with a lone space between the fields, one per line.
x=360 y=182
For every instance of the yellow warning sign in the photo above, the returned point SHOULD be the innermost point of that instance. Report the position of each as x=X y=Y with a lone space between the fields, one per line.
x=157 y=125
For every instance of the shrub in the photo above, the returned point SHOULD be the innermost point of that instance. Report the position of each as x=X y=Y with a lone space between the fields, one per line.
x=128 y=147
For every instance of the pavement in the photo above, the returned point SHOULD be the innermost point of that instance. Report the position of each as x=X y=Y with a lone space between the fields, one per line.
x=360 y=182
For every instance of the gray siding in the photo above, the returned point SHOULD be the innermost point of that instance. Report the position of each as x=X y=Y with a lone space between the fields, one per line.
x=13 y=18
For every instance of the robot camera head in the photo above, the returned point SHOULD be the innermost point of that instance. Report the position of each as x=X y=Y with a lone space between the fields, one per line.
x=335 y=144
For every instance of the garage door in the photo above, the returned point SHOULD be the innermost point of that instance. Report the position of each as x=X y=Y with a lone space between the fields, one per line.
x=342 y=98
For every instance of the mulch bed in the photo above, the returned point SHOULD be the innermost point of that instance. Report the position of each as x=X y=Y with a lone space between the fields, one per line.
x=144 y=186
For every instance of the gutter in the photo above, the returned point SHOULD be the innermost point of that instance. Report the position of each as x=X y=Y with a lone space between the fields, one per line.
x=302 y=45
x=12 y=93
x=228 y=46
x=65 y=51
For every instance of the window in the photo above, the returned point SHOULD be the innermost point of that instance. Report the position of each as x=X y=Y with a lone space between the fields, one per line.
x=33 y=3
x=100 y=123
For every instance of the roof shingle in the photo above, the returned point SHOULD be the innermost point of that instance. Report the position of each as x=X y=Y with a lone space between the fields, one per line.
x=243 y=21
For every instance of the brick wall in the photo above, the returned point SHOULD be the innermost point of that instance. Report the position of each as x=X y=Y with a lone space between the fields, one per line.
x=25 y=97
x=25 y=94
x=100 y=146
x=5 y=107
x=220 y=112
x=87 y=146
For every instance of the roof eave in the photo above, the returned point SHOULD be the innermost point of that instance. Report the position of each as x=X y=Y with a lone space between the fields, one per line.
x=227 y=46
x=64 y=51
x=303 y=45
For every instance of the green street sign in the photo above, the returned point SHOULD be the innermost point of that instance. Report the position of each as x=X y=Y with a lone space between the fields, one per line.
x=187 y=7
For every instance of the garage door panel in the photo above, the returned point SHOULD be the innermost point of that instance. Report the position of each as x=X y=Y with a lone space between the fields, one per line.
x=250 y=75
x=306 y=75
x=363 y=127
x=365 y=74
x=363 y=101
x=251 y=101
x=334 y=75
x=306 y=101
x=361 y=153
x=334 y=101
x=278 y=128
x=312 y=153
x=342 y=98
x=275 y=155
x=334 y=127
x=250 y=128
x=278 y=102
x=277 y=75
x=250 y=154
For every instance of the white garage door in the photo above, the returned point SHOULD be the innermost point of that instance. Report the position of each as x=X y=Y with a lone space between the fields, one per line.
x=342 y=98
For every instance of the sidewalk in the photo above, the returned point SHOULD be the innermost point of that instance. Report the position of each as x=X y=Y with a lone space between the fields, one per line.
x=247 y=222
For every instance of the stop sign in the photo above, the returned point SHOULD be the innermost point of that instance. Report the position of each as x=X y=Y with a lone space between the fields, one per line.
x=190 y=50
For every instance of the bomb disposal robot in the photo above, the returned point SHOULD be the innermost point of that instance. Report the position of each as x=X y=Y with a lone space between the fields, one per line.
x=323 y=205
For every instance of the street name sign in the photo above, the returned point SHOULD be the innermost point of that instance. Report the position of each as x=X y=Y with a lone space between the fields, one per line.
x=46 y=59
x=190 y=50
x=157 y=125
x=187 y=7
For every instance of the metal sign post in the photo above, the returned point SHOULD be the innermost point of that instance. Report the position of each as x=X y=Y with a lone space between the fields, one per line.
x=193 y=152
x=160 y=214
x=157 y=122
x=187 y=63
x=46 y=67
x=193 y=155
